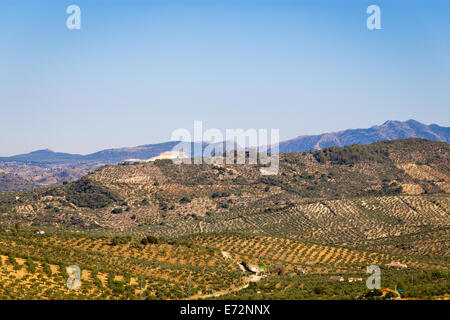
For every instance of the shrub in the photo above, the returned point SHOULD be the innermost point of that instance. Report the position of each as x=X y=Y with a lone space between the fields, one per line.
x=47 y=269
x=90 y=194
x=185 y=200
x=149 y=240
x=117 y=287
x=120 y=240
x=319 y=290
x=31 y=266
x=279 y=269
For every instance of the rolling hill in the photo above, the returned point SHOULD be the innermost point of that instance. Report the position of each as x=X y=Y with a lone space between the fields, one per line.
x=161 y=230
x=350 y=188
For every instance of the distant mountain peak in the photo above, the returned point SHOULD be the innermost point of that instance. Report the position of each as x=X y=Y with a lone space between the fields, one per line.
x=389 y=130
x=43 y=151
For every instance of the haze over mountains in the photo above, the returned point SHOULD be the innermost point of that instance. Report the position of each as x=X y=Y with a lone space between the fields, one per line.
x=107 y=156
x=390 y=130
x=45 y=167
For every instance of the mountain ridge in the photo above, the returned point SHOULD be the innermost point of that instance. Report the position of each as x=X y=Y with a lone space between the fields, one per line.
x=389 y=130
x=45 y=167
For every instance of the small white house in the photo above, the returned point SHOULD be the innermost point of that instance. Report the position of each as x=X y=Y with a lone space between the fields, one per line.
x=397 y=264
x=337 y=278
x=258 y=269
x=253 y=267
x=40 y=232
x=301 y=270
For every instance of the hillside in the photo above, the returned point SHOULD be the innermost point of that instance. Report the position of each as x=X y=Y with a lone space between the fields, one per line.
x=383 y=189
x=13 y=182
x=19 y=177
x=145 y=231
x=34 y=266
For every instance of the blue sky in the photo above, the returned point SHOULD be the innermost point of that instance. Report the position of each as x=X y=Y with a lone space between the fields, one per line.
x=137 y=70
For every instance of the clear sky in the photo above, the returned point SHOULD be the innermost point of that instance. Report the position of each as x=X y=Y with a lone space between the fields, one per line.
x=137 y=70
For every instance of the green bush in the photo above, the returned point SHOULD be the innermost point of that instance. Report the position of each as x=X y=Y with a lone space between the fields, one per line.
x=31 y=266
x=150 y=240
x=90 y=194
x=185 y=200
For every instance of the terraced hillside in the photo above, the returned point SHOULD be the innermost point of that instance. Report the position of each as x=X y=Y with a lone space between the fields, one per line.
x=302 y=270
x=415 y=284
x=34 y=266
x=328 y=212
x=336 y=195
x=313 y=257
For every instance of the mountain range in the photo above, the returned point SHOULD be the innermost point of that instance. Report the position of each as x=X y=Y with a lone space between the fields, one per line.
x=45 y=167
x=390 y=130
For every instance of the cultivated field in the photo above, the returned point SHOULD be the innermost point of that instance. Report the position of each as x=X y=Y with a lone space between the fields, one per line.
x=169 y=231
x=31 y=264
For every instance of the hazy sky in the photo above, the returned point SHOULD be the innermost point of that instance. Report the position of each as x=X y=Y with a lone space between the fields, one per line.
x=137 y=70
